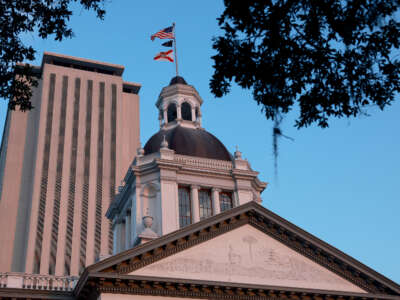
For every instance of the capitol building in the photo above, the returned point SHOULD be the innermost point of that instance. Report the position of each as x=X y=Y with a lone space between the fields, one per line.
x=87 y=212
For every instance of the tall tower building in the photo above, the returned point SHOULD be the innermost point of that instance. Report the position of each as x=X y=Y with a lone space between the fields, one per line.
x=60 y=164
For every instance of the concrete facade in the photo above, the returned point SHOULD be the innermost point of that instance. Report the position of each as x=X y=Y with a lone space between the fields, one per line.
x=60 y=164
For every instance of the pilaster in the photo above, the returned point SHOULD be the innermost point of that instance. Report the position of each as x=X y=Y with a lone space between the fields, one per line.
x=215 y=201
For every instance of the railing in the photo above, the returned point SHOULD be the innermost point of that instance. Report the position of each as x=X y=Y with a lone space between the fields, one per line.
x=203 y=162
x=37 y=282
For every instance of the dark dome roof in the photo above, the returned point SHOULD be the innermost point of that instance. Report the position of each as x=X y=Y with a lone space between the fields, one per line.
x=177 y=79
x=187 y=141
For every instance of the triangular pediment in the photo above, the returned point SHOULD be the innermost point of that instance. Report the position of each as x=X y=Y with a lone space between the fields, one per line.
x=247 y=255
x=245 y=245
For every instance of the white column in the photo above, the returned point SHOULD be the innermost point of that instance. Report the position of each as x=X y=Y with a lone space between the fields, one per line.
x=160 y=118
x=193 y=114
x=195 y=203
x=165 y=116
x=199 y=117
x=128 y=243
x=215 y=201
x=178 y=112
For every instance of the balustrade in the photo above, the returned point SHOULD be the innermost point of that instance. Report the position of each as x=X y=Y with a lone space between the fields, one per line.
x=203 y=162
x=37 y=281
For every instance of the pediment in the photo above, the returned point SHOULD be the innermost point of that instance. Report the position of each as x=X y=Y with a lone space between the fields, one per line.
x=245 y=245
x=247 y=255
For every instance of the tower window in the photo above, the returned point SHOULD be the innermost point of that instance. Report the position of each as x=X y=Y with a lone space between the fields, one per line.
x=225 y=201
x=171 y=112
x=205 y=204
x=185 y=216
x=186 y=111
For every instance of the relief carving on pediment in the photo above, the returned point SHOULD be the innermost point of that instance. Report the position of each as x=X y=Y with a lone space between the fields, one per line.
x=246 y=255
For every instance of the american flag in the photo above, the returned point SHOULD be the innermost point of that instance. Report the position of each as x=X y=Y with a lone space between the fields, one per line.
x=166 y=33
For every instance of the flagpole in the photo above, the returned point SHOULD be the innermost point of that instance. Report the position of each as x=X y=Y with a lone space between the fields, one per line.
x=176 y=56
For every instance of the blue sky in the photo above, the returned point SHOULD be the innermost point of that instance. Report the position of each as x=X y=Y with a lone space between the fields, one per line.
x=341 y=184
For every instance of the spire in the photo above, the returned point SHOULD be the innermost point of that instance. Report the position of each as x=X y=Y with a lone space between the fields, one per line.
x=238 y=154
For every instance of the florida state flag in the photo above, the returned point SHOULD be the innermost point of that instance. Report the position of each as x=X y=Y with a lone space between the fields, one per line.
x=165 y=56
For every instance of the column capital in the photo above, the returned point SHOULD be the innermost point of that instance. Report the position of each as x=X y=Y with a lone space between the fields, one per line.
x=214 y=189
x=194 y=187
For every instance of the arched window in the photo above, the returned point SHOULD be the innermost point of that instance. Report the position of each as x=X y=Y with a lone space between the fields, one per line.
x=225 y=201
x=171 y=112
x=186 y=111
x=185 y=216
x=205 y=204
x=197 y=113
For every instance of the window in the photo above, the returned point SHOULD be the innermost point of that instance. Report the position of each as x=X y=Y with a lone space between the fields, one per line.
x=185 y=217
x=225 y=201
x=205 y=204
x=186 y=111
x=171 y=112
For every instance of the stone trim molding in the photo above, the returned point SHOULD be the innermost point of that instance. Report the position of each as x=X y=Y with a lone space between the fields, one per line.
x=11 y=294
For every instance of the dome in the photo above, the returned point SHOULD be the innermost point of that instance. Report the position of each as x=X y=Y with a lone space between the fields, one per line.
x=177 y=79
x=188 y=141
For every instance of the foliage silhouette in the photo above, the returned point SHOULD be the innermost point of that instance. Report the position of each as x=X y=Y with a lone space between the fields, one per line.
x=331 y=58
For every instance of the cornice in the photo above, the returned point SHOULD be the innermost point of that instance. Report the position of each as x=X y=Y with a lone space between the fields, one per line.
x=168 y=178
x=156 y=286
x=207 y=173
x=244 y=174
x=259 y=185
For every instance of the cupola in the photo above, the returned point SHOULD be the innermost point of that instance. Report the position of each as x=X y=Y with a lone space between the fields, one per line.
x=179 y=103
